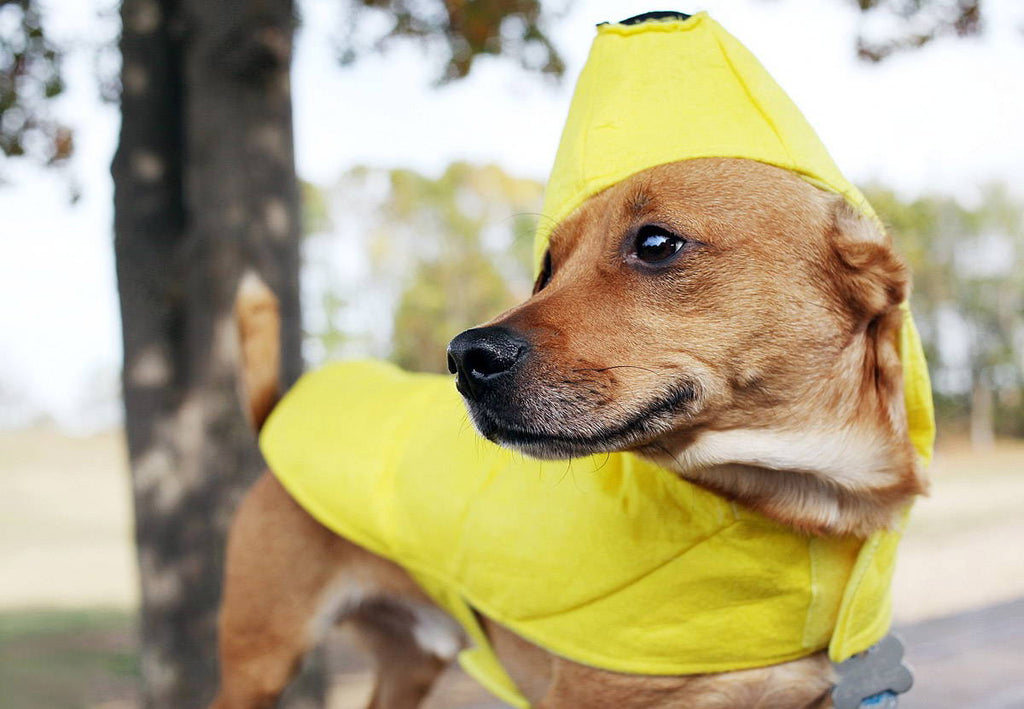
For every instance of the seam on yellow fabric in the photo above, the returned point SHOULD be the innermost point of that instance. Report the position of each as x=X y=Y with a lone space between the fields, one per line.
x=580 y=188
x=815 y=587
x=865 y=636
x=757 y=104
x=840 y=636
x=618 y=28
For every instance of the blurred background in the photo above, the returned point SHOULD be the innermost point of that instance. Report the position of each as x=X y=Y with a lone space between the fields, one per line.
x=382 y=162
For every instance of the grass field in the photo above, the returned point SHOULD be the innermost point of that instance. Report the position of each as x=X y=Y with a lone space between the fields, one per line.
x=68 y=659
x=68 y=584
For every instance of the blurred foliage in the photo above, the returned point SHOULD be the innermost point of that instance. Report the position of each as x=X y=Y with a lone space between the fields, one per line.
x=316 y=216
x=910 y=24
x=30 y=75
x=31 y=62
x=463 y=30
x=968 y=299
x=445 y=297
x=437 y=255
x=466 y=28
x=440 y=255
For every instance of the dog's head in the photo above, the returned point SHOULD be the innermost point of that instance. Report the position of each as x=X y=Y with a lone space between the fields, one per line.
x=725 y=318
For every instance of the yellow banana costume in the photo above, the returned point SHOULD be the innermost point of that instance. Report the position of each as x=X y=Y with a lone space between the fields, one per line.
x=609 y=561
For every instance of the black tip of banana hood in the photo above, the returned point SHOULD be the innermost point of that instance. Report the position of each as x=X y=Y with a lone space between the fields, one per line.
x=657 y=15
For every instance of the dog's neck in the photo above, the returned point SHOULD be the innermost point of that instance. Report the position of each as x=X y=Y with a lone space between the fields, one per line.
x=816 y=483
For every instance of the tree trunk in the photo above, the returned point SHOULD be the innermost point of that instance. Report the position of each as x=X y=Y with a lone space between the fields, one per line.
x=205 y=188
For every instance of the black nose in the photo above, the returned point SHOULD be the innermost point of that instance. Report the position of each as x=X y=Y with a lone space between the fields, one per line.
x=484 y=356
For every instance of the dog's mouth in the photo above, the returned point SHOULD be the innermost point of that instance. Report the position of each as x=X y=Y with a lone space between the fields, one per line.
x=547 y=433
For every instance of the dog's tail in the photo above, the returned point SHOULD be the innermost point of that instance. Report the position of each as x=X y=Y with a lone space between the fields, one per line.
x=259 y=334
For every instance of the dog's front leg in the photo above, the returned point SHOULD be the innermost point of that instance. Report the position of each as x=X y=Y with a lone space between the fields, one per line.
x=289 y=579
x=279 y=564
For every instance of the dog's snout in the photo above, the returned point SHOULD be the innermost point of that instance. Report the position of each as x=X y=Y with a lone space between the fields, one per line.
x=482 y=356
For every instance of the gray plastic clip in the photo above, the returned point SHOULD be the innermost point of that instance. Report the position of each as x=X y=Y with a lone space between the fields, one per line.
x=878 y=669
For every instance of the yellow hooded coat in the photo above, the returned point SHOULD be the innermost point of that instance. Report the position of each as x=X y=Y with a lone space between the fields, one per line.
x=609 y=561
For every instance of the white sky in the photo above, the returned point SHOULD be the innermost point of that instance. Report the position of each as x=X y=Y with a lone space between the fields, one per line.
x=943 y=118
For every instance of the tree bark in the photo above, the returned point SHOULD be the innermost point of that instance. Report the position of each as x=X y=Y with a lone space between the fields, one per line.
x=205 y=188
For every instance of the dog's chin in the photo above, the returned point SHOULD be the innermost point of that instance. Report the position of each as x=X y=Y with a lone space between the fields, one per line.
x=550 y=446
x=585 y=437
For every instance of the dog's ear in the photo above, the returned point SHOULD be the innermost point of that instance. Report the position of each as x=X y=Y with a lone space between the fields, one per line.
x=872 y=279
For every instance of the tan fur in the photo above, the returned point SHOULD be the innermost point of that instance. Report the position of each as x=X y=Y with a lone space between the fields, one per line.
x=781 y=320
x=259 y=330
x=282 y=564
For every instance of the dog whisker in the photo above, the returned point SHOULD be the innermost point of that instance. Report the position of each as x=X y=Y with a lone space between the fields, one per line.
x=664 y=449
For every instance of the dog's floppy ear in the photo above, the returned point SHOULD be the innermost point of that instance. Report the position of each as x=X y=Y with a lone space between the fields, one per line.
x=872 y=279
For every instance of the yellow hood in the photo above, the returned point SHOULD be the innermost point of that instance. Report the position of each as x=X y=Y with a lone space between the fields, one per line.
x=610 y=561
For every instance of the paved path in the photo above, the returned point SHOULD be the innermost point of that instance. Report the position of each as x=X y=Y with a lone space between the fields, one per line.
x=972 y=660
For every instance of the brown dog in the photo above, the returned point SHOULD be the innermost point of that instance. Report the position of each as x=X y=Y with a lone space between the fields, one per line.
x=720 y=316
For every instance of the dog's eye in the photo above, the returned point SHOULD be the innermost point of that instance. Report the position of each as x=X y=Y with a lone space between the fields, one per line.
x=655 y=244
x=545 y=274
